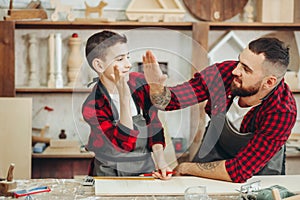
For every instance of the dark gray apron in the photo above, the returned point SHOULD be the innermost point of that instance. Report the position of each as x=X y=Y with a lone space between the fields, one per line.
x=111 y=162
x=230 y=142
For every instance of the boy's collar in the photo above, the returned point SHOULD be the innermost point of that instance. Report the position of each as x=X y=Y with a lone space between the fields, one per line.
x=95 y=80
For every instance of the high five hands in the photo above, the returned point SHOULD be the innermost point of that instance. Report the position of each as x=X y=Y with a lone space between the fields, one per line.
x=153 y=74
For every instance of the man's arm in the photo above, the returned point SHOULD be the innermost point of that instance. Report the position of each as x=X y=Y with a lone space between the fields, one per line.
x=213 y=170
x=160 y=99
x=159 y=94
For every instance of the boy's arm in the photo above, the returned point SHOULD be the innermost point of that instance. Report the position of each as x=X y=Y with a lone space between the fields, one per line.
x=125 y=96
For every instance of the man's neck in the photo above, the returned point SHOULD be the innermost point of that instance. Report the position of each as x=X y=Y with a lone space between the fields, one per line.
x=249 y=101
x=254 y=99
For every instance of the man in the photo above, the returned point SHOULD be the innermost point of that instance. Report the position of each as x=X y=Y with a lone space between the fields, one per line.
x=252 y=111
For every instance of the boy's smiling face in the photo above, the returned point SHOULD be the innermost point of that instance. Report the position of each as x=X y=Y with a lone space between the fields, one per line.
x=116 y=55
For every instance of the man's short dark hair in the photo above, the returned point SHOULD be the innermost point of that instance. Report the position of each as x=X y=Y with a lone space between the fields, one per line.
x=98 y=43
x=274 y=50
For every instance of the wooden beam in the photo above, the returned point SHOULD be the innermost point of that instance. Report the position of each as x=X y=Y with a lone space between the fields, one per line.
x=7 y=64
x=200 y=61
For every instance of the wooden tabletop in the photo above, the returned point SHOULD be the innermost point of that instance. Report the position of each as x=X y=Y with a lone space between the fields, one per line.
x=63 y=153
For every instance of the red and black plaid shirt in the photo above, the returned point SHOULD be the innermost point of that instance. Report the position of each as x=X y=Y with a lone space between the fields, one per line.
x=97 y=112
x=273 y=123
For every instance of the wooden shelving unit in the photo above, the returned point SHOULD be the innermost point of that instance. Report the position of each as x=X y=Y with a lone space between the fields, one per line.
x=7 y=45
x=200 y=34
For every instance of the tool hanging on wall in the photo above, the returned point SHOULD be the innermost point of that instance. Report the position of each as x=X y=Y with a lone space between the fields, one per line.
x=42 y=131
x=33 y=10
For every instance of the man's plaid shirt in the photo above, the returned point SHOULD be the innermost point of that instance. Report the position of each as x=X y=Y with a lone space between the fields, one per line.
x=273 y=123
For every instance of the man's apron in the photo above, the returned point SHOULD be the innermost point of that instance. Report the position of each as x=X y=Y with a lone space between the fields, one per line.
x=111 y=162
x=230 y=142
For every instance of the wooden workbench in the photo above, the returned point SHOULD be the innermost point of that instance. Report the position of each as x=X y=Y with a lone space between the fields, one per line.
x=73 y=189
x=61 y=163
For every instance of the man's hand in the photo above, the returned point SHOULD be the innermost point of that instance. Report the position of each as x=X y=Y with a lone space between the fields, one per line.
x=153 y=74
x=182 y=169
x=213 y=170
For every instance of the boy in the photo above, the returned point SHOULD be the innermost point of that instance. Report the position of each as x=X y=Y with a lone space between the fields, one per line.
x=124 y=125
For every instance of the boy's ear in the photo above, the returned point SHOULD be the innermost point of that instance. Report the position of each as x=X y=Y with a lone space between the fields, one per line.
x=98 y=65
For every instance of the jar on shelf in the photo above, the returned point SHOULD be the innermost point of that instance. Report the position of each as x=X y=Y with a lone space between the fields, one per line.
x=62 y=134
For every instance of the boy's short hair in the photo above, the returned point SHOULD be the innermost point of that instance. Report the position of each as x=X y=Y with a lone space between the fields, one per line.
x=98 y=43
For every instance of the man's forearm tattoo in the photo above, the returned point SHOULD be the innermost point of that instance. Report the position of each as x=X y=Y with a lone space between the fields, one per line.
x=208 y=166
x=161 y=100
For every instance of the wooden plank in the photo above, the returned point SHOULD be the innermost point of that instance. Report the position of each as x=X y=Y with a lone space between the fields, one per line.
x=53 y=90
x=60 y=143
x=15 y=139
x=63 y=153
x=296 y=11
x=275 y=11
x=100 y=25
x=177 y=185
x=255 y=26
x=7 y=64
x=200 y=61
x=170 y=25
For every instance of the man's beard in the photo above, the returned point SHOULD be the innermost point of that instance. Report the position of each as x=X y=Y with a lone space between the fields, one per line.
x=245 y=92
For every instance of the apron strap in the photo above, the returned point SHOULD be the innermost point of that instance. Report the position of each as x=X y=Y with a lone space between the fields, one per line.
x=252 y=128
x=113 y=106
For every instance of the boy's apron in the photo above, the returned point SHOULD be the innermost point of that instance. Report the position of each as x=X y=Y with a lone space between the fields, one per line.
x=230 y=142
x=112 y=162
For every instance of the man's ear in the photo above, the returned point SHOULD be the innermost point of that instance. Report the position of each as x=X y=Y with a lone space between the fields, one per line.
x=270 y=82
x=98 y=65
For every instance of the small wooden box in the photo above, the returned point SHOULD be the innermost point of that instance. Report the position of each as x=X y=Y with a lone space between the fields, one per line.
x=62 y=143
x=275 y=11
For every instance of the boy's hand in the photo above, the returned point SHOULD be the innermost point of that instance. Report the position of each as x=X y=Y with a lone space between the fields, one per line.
x=163 y=174
x=160 y=162
x=120 y=80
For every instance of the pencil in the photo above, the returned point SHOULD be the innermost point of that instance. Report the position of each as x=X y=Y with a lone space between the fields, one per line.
x=150 y=174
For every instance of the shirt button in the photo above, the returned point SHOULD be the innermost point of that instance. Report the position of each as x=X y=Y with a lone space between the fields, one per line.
x=215 y=106
x=229 y=96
